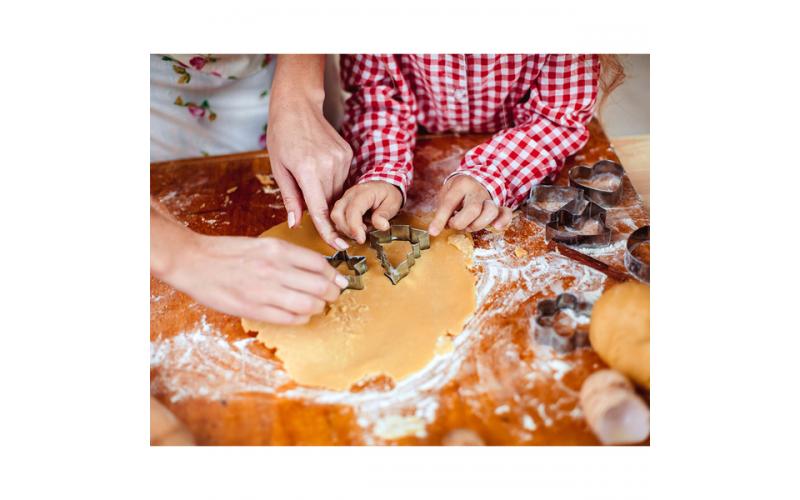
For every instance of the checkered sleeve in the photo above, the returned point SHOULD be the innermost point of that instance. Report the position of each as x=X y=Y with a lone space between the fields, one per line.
x=550 y=126
x=379 y=122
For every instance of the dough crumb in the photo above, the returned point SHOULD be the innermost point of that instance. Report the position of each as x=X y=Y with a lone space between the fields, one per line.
x=462 y=242
x=397 y=426
x=231 y=190
x=264 y=179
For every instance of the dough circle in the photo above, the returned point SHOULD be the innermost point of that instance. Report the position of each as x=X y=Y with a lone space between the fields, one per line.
x=620 y=330
x=393 y=330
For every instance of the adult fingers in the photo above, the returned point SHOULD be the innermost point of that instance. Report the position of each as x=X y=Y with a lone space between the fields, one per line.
x=468 y=213
x=318 y=209
x=340 y=173
x=488 y=214
x=387 y=209
x=337 y=214
x=449 y=202
x=274 y=315
x=312 y=283
x=503 y=219
x=290 y=192
x=298 y=303
x=354 y=216
x=283 y=254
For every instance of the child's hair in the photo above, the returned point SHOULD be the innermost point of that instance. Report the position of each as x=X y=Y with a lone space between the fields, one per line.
x=612 y=74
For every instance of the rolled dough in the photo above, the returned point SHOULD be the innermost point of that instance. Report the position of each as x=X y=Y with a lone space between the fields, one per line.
x=394 y=330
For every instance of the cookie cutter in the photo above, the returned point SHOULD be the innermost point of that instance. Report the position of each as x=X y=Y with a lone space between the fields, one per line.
x=356 y=263
x=419 y=239
x=544 y=200
x=564 y=211
x=580 y=175
x=549 y=332
x=638 y=268
x=566 y=223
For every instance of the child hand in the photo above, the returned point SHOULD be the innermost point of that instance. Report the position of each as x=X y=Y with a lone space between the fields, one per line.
x=477 y=210
x=382 y=198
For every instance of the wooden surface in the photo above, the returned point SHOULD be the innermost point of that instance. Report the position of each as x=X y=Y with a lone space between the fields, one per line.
x=497 y=387
x=634 y=152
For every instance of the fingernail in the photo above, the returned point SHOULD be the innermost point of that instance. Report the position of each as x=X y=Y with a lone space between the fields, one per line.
x=341 y=281
x=290 y=219
x=341 y=244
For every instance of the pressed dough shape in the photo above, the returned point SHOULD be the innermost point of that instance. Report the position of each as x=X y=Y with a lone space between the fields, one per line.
x=384 y=329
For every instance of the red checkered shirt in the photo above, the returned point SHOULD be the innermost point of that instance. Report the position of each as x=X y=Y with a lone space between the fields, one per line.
x=536 y=105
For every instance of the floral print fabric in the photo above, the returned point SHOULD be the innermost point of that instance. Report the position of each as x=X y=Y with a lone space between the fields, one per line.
x=208 y=104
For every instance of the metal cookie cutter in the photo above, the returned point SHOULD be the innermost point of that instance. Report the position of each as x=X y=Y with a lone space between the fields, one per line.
x=566 y=224
x=559 y=335
x=356 y=263
x=581 y=176
x=635 y=265
x=419 y=239
x=545 y=200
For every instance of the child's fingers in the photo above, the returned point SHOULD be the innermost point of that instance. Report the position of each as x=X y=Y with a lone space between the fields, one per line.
x=354 y=216
x=450 y=201
x=503 y=219
x=468 y=213
x=488 y=214
x=385 y=211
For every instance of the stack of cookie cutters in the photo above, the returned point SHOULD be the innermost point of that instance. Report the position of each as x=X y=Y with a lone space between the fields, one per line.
x=563 y=211
x=638 y=268
x=546 y=331
x=418 y=238
x=356 y=263
x=580 y=176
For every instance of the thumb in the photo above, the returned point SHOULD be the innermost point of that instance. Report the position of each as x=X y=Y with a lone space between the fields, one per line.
x=290 y=192
x=386 y=210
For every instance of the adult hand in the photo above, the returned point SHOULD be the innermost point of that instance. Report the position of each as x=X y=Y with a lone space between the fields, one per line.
x=310 y=160
x=264 y=279
x=382 y=198
x=472 y=205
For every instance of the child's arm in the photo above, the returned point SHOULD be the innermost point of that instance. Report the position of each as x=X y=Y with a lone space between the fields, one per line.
x=381 y=129
x=551 y=125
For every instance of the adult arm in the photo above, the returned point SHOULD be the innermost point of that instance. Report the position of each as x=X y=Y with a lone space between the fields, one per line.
x=309 y=159
x=263 y=279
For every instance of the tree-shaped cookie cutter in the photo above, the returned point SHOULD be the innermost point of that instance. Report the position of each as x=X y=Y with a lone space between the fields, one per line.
x=581 y=175
x=418 y=238
x=638 y=268
x=546 y=330
x=356 y=263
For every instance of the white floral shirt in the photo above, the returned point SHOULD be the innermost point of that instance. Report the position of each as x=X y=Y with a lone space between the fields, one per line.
x=208 y=104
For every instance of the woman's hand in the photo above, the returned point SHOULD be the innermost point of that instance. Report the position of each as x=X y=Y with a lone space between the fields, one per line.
x=263 y=279
x=382 y=198
x=310 y=160
x=472 y=204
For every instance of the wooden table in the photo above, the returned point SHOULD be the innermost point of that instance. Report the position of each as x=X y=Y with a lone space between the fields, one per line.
x=498 y=385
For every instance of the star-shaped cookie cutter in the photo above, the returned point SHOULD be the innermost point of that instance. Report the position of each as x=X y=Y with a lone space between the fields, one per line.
x=419 y=239
x=356 y=263
x=547 y=331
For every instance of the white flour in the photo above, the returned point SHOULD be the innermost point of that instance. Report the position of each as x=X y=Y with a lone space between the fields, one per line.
x=201 y=362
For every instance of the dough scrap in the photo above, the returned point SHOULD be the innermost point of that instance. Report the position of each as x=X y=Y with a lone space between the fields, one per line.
x=386 y=329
